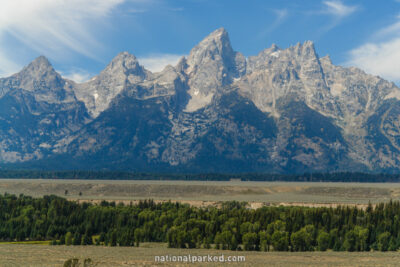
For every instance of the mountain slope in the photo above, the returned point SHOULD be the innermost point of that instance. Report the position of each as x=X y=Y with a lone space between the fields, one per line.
x=283 y=110
x=38 y=110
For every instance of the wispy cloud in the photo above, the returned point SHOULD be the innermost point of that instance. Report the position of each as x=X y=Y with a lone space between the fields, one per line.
x=157 y=62
x=380 y=55
x=51 y=27
x=389 y=31
x=379 y=58
x=7 y=66
x=280 y=17
x=338 y=9
x=77 y=75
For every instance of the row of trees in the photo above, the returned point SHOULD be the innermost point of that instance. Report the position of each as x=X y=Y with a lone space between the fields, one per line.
x=232 y=226
x=119 y=175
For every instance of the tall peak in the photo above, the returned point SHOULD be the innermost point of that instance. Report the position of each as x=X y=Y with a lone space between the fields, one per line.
x=218 y=33
x=123 y=56
x=216 y=44
x=326 y=59
x=41 y=60
x=211 y=65
x=39 y=65
x=218 y=36
x=124 y=59
x=38 y=69
x=274 y=47
x=308 y=43
x=308 y=48
x=40 y=77
x=124 y=63
x=305 y=49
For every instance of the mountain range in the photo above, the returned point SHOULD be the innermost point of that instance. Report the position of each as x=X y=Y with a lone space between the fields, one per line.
x=281 y=111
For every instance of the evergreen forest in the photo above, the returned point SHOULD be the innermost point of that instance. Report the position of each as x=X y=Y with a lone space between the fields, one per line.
x=231 y=226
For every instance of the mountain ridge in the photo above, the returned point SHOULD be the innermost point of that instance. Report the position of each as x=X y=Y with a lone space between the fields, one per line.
x=283 y=110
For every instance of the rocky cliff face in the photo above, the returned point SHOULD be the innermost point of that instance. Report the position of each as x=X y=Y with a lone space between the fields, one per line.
x=211 y=65
x=38 y=112
x=284 y=110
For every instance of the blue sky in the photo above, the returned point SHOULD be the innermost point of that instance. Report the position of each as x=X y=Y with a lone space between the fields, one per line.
x=80 y=37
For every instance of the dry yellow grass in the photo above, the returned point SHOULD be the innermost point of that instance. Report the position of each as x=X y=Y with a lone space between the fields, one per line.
x=194 y=193
x=39 y=255
x=202 y=193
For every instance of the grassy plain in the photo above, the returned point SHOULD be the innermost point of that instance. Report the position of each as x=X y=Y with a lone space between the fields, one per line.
x=199 y=194
x=39 y=255
x=206 y=192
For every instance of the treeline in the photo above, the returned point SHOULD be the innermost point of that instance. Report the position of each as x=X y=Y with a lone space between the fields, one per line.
x=232 y=226
x=120 y=175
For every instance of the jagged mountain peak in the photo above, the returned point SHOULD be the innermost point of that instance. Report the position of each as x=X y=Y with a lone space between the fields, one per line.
x=283 y=110
x=41 y=78
x=181 y=65
x=306 y=49
x=123 y=57
x=215 y=46
x=40 y=61
x=308 y=43
x=274 y=47
x=125 y=63
x=219 y=35
x=38 y=67
x=326 y=59
x=211 y=65
x=274 y=55
x=123 y=71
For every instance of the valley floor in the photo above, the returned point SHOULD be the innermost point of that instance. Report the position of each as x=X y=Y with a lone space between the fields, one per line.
x=198 y=194
x=45 y=255
x=204 y=193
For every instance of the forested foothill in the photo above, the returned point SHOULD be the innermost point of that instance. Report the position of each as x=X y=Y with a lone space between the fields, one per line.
x=120 y=175
x=232 y=226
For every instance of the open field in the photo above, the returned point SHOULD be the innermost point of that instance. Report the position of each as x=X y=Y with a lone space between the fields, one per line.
x=201 y=193
x=42 y=255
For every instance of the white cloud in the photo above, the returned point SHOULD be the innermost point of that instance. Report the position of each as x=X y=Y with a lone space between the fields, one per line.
x=51 y=27
x=78 y=76
x=157 y=62
x=380 y=58
x=338 y=9
x=380 y=55
x=389 y=31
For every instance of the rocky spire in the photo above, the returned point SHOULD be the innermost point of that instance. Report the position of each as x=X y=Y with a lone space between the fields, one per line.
x=211 y=65
x=39 y=69
x=98 y=92
x=216 y=45
x=40 y=76
x=124 y=63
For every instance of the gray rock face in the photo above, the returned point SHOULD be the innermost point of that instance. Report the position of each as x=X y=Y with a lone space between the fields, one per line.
x=97 y=93
x=38 y=113
x=284 y=110
x=211 y=65
x=40 y=78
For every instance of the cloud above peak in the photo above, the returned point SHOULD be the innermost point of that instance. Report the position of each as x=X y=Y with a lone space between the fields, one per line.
x=378 y=58
x=157 y=62
x=380 y=54
x=338 y=9
x=51 y=27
